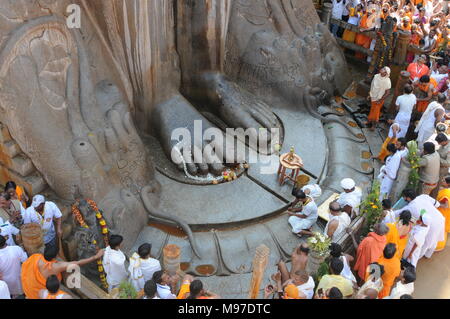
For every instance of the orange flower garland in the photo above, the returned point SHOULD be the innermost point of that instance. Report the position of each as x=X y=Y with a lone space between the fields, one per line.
x=79 y=218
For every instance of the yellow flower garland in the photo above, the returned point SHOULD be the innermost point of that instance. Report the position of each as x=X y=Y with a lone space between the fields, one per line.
x=79 y=218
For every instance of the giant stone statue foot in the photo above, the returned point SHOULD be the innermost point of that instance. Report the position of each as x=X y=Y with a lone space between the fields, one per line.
x=191 y=141
x=235 y=106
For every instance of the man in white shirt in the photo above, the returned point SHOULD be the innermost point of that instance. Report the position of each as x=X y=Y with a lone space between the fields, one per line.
x=336 y=13
x=350 y=199
x=416 y=239
x=405 y=285
x=11 y=259
x=114 y=263
x=405 y=104
x=142 y=266
x=388 y=213
x=439 y=72
x=8 y=231
x=419 y=206
x=165 y=284
x=150 y=290
x=389 y=171
x=48 y=215
x=430 y=118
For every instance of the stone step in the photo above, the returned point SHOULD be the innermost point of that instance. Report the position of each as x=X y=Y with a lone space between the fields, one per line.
x=22 y=165
x=11 y=148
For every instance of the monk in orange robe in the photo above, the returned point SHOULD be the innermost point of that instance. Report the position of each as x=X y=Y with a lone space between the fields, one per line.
x=392 y=269
x=418 y=69
x=424 y=93
x=362 y=40
x=399 y=232
x=370 y=249
x=37 y=268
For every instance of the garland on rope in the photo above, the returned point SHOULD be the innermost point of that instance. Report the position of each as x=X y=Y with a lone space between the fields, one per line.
x=102 y=222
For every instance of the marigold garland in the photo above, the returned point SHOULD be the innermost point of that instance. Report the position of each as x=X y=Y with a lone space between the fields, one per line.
x=102 y=222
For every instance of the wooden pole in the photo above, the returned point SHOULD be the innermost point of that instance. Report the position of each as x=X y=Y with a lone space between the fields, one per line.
x=401 y=48
x=326 y=13
x=259 y=266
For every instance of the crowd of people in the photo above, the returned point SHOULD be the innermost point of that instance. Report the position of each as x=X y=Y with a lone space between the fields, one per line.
x=40 y=275
x=414 y=223
x=425 y=20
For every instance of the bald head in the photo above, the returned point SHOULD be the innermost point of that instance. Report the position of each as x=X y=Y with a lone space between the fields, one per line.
x=335 y=208
x=371 y=293
x=302 y=276
x=380 y=229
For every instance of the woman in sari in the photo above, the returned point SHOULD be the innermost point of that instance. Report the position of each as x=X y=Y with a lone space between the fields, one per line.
x=17 y=193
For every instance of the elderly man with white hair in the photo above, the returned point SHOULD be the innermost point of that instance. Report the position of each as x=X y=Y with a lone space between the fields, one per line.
x=350 y=198
x=379 y=91
x=48 y=215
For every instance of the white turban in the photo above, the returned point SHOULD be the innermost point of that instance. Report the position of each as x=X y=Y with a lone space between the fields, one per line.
x=314 y=190
x=38 y=200
x=348 y=183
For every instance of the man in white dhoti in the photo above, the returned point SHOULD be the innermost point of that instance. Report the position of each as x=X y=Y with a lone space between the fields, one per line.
x=405 y=104
x=303 y=214
x=430 y=118
x=142 y=266
x=114 y=263
x=338 y=223
x=11 y=259
x=417 y=240
x=350 y=199
x=424 y=204
x=388 y=173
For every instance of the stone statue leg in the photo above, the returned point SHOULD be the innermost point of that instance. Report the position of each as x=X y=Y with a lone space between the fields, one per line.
x=142 y=39
x=203 y=30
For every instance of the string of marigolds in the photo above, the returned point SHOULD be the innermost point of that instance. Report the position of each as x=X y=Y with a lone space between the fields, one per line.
x=383 y=42
x=102 y=222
